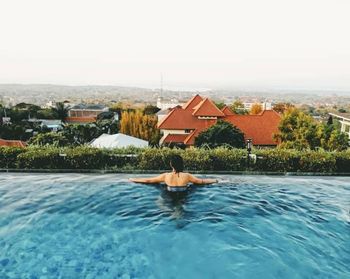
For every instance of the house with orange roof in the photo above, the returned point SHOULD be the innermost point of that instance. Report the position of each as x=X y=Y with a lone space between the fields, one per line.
x=12 y=143
x=183 y=123
x=81 y=120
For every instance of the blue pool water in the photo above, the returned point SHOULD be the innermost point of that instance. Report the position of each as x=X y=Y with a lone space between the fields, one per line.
x=102 y=226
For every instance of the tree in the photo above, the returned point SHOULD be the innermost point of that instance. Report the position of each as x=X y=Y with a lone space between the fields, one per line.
x=46 y=114
x=282 y=107
x=222 y=133
x=331 y=139
x=1 y=115
x=330 y=120
x=256 y=109
x=220 y=105
x=61 y=111
x=298 y=130
x=52 y=138
x=139 y=125
x=81 y=134
x=238 y=107
x=150 y=110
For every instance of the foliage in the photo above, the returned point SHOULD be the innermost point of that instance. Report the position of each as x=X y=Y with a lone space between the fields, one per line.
x=150 y=110
x=300 y=131
x=278 y=160
x=139 y=125
x=218 y=159
x=282 y=107
x=52 y=138
x=13 y=132
x=9 y=156
x=82 y=157
x=220 y=105
x=256 y=109
x=46 y=114
x=78 y=134
x=221 y=134
x=238 y=107
x=61 y=111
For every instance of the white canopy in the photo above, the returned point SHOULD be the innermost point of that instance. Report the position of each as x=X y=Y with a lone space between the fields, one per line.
x=117 y=141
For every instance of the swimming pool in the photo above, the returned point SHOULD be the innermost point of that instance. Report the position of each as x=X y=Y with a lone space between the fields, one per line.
x=102 y=226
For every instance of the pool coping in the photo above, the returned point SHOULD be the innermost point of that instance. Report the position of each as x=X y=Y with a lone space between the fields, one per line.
x=138 y=171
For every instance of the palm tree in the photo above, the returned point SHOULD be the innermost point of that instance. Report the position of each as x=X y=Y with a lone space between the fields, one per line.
x=61 y=111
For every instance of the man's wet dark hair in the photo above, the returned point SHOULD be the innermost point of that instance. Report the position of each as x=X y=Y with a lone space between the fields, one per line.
x=177 y=163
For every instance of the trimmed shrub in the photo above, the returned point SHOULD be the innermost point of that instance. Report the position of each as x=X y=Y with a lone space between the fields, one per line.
x=317 y=162
x=225 y=159
x=195 y=159
x=157 y=159
x=278 y=160
x=342 y=161
x=8 y=156
x=41 y=158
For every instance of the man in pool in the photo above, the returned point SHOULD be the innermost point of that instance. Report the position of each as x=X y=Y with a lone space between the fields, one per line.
x=177 y=180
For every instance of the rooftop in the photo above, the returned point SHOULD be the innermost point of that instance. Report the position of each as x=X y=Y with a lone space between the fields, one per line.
x=12 y=143
x=344 y=116
x=88 y=107
x=260 y=128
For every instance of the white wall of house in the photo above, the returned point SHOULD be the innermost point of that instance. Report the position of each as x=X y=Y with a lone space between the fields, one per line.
x=345 y=127
x=173 y=132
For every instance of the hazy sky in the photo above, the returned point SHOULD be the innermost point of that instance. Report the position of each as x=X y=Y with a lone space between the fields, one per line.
x=246 y=43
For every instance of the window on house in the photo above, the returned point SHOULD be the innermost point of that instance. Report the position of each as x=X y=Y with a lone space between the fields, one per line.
x=187 y=131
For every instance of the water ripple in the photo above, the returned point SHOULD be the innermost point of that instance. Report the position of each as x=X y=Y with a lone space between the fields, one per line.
x=102 y=226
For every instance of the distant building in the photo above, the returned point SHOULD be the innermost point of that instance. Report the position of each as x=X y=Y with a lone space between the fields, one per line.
x=86 y=110
x=53 y=124
x=264 y=106
x=344 y=119
x=183 y=123
x=50 y=104
x=167 y=104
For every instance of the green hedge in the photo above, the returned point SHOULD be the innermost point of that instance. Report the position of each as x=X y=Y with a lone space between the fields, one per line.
x=9 y=155
x=219 y=159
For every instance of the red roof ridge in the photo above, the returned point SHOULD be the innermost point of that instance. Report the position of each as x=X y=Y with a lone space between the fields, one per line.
x=167 y=117
x=204 y=107
x=185 y=106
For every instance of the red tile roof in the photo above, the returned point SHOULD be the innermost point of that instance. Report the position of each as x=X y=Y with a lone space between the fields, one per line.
x=175 y=138
x=81 y=119
x=12 y=143
x=181 y=119
x=207 y=108
x=260 y=128
x=195 y=100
